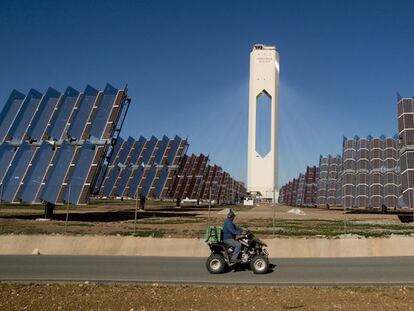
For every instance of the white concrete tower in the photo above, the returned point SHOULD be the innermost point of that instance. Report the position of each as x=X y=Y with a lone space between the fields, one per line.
x=262 y=165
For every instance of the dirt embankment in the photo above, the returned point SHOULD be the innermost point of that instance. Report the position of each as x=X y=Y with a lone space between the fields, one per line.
x=85 y=296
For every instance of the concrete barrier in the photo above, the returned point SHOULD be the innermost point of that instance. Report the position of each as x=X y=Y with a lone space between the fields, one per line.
x=136 y=246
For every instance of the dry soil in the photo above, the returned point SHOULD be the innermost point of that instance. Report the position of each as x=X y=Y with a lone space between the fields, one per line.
x=90 y=296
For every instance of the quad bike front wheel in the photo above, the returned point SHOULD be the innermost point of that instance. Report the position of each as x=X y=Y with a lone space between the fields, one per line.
x=215 y=264
x=259 y=264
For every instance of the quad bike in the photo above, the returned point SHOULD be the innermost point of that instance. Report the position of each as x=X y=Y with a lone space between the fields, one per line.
x=253 y=252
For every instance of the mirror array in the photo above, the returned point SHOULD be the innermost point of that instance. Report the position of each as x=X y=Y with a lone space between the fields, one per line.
x=198 y=180
x=366 y=176
x=329 y=181
x=160 y=169
x=301 y=191
x=142 y=168
x=405 y=110
x=52 y=145
x=372 y=172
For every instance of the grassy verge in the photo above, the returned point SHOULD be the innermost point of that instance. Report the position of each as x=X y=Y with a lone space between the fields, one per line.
x=154 y=224
x=328 y=228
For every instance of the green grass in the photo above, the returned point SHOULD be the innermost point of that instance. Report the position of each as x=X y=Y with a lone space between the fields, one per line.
x=327 y=228
x=167 y=221
x=129 y=202
x=140 y=233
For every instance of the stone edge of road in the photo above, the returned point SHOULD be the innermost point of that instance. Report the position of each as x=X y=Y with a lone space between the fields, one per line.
x=181 y=247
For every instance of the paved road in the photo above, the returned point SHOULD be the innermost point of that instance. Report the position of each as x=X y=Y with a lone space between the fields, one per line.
x=334 y=271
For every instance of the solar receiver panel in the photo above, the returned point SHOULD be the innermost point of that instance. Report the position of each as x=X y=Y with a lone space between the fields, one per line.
x=196 y=175
x=37 y=172
x=405 y=109
x=199 y=177
x=182 y=193
x=100 y=178
x=207 y=182
x=34 y=170
x=111 y=180
x=173 y=151
x=149 y=149
x=7 y=152
x=161 y=150
x=116 y=148
x=158 y=169
x=197 y=180
x=17 y=171
x=61 y=117
x=323 y=180
x=203 y=185
x=43 y=114
x=163 y=174
x=124 y=177
x=364 y=171
x=301 y=190
x=124 y=160
x=148 y=181
x=126 y=173
x=178 y=180
x=138 y=148
x=52 y=191
x=24 y=116
x=107 y=167
x=106 y=113
x=76 y=190
x=333 y=180
x=9 y=112
x=349 y=166
x=362 y=191
x=136 y=181
x=113 y=161
x=310 y=186
x=110 y=183
x=125 y=150
x=82 y=115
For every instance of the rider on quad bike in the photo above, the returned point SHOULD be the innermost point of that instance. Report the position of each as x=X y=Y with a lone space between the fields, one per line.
x=230 y=230
x=226 y=248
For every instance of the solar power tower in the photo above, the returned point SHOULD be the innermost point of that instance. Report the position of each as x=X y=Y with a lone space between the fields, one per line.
x=262 y=154
x=142 y=168
x=52 y=145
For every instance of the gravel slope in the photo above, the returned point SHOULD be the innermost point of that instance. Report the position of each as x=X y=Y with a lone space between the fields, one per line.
x=92 y=296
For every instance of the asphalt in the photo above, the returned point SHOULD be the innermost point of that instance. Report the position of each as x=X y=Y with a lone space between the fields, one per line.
x=316 y=271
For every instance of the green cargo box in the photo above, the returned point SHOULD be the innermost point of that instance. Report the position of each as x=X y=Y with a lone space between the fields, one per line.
x=214 y=234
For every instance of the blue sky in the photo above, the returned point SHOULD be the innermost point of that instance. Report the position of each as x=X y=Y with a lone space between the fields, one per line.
x=187 y=62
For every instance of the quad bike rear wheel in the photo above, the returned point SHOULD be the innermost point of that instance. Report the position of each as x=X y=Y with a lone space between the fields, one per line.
x=259 y=264
x=215 y=264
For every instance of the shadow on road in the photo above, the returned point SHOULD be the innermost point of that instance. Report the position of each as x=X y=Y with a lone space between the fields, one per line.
x=246 y=267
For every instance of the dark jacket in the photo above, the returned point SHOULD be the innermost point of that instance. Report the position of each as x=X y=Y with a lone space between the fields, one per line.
x=230 y=230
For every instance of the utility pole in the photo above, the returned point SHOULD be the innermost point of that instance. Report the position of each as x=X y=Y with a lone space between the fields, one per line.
x=274 y=209
x=209 y=204
x=136 y=211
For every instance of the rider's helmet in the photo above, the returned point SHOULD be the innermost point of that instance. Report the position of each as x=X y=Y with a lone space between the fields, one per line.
x=231 y=214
